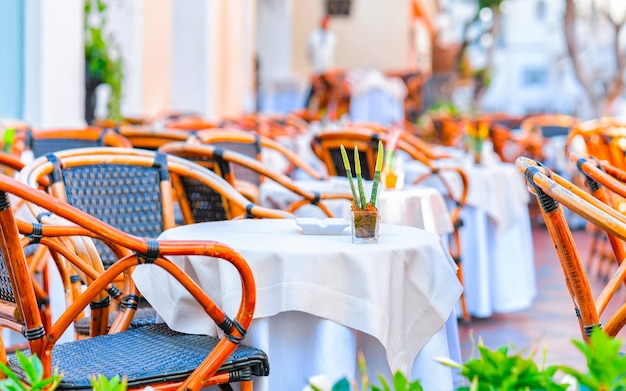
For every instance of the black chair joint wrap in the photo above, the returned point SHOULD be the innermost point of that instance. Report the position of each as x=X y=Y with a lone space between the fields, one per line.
x=548 y=203
x=224 y=166
x=130 y=301
x=588 y=329
x=151 y=254
x=41 y=215
x=160 y=163
x=37 y=234
x=75 y=278
x=55 y=175
x=114 y=292
x=100 y=303
x=244 y=374
x=249 y=214
x=227 y=325
x=593 y=184
x=316 y=198
x=33 y=334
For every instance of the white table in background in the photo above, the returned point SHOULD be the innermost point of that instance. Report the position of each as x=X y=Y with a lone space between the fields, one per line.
x=497 y=246
x=321 y=299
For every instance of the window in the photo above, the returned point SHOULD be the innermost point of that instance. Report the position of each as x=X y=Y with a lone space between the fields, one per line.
x=338 y=7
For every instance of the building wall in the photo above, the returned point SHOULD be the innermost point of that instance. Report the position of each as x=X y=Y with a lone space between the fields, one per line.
x=375 y=35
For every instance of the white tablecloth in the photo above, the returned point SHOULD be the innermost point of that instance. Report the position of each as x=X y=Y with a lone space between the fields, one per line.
x=395 y=297
x=497 y=247
x=415 y=206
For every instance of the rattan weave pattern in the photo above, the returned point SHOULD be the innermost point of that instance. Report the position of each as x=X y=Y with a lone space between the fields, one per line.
x=206 y=204
x=6 y=290
x=145 y=355
x=43 y=146
x=249 y=149
x=143 y=316
x=335 y=154
x=124 y=196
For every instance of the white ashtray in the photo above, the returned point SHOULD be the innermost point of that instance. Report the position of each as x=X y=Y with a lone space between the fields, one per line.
x=315 y=226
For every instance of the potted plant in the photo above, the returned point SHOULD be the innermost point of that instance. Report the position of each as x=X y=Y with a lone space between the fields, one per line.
x=365 y=216
x=103 y=61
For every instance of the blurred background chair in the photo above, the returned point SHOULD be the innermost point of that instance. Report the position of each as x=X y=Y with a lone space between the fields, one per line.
x=147 y=137
x=153 y=355
x=43 y=141
x=551 y=132
x=222 y=161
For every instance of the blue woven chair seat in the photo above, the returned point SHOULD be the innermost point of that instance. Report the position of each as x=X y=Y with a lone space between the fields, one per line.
x=143 y=316
x=145 y=355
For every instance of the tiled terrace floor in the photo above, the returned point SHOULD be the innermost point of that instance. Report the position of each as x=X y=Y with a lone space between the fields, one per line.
x=549 y=323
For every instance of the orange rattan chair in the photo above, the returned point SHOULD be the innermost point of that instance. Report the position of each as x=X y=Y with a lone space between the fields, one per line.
x=554 y=193
x=222 y=160
x=134 y=190
x=43 y=141
x=146 y=137
x=548 y=125
x=604 y=139
x=153 y=355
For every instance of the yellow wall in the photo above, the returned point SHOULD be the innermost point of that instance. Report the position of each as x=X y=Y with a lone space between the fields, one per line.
x=375 y=35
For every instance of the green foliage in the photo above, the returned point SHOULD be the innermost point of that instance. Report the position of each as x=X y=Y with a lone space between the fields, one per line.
x=102 y=54
x=606 y=366
x=34 y=376
x=400 y=383
x=497 y=370
x=489 y=4
x=101 y=383
x=446 y=108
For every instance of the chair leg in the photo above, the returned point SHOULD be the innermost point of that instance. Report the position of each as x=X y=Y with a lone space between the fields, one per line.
x=457 y=259
x=246 y=385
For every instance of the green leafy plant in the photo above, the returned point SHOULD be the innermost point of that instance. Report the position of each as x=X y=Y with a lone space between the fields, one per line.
x=34 y=376
x=606 y=366
x=502 y=370
x=101 y=383
x=497 y=370
x=102 y=55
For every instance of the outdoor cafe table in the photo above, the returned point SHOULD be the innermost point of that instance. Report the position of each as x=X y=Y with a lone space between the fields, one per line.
x=321 y=299
x=496 y=237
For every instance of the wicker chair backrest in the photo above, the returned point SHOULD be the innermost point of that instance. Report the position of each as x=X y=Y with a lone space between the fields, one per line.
x=252 y=150
x=125 y=196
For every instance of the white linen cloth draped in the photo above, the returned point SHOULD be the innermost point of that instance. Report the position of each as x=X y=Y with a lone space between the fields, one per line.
x=497 y=246
x=400 y=292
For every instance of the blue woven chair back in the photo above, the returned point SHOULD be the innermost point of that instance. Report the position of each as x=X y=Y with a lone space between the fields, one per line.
x=124 y=196
x=206 y=204
x=335 y=154
x=44 y=146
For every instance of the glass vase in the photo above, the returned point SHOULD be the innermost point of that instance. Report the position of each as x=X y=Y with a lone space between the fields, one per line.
x=365 y=224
